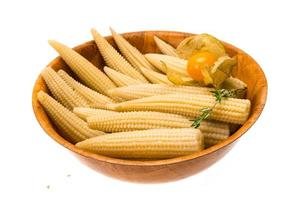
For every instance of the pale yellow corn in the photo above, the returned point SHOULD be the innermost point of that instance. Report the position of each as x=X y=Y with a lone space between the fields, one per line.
x=72 y=127
x=215 y=127
x=214 y=132
x=131 y=53
x=155 y=77
x=213 y=139
x=145 y=90
x=130 y=121
x=94 y=98
x=230 y=110
x=165 y=48
x=120 y=79
x=151 y=144
x=111 y=121
x=84 y=112
x=113 y=59
x=165 y=63
x=89 y=74
x=61 y=90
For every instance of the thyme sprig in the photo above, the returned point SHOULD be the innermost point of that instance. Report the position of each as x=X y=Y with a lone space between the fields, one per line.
x=219 y=94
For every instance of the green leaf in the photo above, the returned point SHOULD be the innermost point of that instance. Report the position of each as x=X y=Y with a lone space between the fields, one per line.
x=219 y=94
x=205 y=113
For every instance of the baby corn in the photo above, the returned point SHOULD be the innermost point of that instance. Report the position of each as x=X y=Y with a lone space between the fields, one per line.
x=212 y=139
x=214 y=132
x=152 y=144
x=146 y=90
x=110 y=121
x=165 y=48
x=120 y=79
x=155 y=77
x=89 y=74
x=132 y=54
x=73 y=128
x=139 y=120
x=61 y=90
x=94 y=98
x=165 y=63
x=113 y=59
x=231 y=110
x=84 y=112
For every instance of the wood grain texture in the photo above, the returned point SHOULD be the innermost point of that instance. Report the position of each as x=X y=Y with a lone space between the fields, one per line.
x=159 y=170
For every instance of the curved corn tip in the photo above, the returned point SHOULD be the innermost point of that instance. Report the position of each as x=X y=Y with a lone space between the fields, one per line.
x=93 y=97
x=120 y=79
x=72 y=128
x=113 y=59
x=84 y=69
x=168 y=63
x=152 y=143
x=165 y=48
x=131 y=53
x=52 y=43
x=61 y=90
x=41 y=96
x=155 y=77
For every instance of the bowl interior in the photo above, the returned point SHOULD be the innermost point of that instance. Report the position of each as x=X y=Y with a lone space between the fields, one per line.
x=247 y=70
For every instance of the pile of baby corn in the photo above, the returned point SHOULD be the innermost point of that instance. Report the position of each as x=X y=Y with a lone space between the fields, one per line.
x=131 y=110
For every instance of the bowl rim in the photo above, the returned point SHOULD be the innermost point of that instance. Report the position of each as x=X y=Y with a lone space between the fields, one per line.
x=50 y=131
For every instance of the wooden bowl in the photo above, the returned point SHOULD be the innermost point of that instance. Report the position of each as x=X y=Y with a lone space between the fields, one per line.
x=160 y=170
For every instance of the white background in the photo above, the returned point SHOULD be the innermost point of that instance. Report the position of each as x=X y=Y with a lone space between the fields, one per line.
x=264 y=164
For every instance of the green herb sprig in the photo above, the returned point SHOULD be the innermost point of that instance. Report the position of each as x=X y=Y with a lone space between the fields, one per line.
x=219 y=94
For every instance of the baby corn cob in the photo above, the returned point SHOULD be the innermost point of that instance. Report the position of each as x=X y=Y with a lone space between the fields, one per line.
x=214 y=132
x=61 y=90
x=213 y=139
x=146 y=90
x=165 y=48
x=155 y=77
x=113 y=59
x=165 y=62
x=73 y=128
x=86 y=71
x=231 y=110
x=120 y=79
x=84 y=112
x=152 y=144
x=139 y=120
x=132 y=54
x=111 y=121
x=94 y=98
